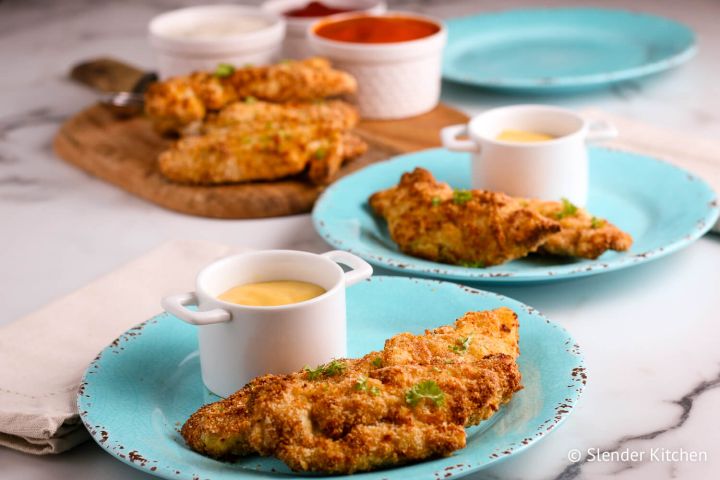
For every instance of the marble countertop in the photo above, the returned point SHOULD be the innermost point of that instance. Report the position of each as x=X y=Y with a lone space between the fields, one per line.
x=650 y=334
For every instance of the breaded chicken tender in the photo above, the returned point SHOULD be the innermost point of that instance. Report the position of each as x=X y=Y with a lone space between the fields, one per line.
x=581 y=234
x=428 y=219
x=179 y=103
x=408 y=402
x=255 y=115
x=236 y=154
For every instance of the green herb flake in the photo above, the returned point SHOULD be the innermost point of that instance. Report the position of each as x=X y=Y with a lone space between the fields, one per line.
x=320 y=153
x=436 y=201
x=313 y=373
x=250 y=100
x=335 y=367
x=361 y=385
x=461 y=345
x=568 y=209
x=427 y=389
x=377 y=362
x=224 y=70
x=460 y=197
x=597 y=222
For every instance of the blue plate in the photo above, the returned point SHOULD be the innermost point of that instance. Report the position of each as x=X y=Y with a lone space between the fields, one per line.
x=553 y=50
x=138 y=392
x=663 y=207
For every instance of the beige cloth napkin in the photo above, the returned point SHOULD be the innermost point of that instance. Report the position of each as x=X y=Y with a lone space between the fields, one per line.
x=698 y=155
x=43 y=355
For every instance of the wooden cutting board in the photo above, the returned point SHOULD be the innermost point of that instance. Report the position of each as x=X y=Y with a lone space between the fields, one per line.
x=123 y=151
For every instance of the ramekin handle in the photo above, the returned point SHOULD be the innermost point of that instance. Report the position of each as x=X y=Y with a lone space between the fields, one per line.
x=176 y=304
x=600 y=130
x=360 y=268
x=449 y=135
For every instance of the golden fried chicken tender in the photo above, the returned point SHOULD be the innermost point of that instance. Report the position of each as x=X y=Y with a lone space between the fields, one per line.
x=255 y=115
x=581 y=235
x=408 y=402
x=427 y=219
x=180 y=102
x=173 y=105
x=236 y=154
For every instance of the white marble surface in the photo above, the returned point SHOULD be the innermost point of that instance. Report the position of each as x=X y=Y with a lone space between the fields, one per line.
x=650 y=334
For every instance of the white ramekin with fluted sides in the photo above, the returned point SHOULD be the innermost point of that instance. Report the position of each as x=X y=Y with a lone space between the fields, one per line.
x=296 y=44
x=395 y=80
x=179 y=55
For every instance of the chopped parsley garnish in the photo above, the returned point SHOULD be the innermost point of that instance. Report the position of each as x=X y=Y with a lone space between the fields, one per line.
x=250 y=100
x=335 y=367
x=469 y=264
x=362 y=386
x=320 y=153
x=461 y=345
x=224 y=70
x=596 y=222
x=427 y=389
x=377 y=362
x=436 y=201
x=460 y=197
x=568 y=209
x=314 y=373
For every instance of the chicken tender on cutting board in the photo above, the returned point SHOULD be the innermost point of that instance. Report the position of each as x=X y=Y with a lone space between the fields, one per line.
x=178 y=103
x=234 y=154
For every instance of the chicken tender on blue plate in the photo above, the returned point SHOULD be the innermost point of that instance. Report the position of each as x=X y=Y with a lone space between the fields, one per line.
x=409 y=402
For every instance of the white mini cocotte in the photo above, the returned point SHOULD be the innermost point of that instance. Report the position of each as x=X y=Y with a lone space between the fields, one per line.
x=239 y=342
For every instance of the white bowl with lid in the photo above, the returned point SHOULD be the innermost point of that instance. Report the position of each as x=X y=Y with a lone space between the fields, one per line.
x=397 y=79
x=202 y=37
x=296 y=44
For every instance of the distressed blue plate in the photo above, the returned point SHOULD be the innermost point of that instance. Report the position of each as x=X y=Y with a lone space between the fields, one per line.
x=663 y=207
x=555 y=50
x=138 y=392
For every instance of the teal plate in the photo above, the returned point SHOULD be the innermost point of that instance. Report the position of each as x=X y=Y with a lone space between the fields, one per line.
x=142 y=387
x=663 y=207
x=555 y=50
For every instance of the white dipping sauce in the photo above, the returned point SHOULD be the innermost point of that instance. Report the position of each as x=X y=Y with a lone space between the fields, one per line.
x=208 y=29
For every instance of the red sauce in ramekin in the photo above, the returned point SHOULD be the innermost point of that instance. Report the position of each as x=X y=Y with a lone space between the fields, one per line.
x=376 y=29
x=314 y=9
